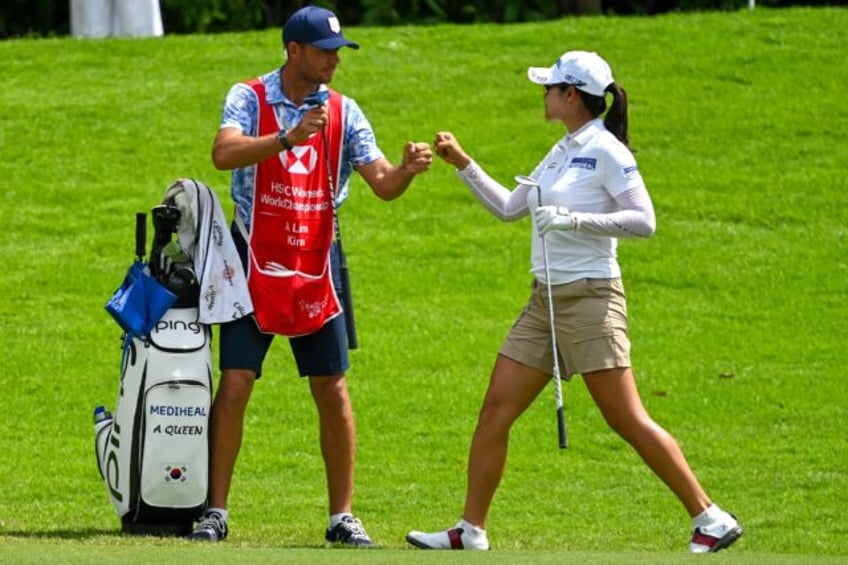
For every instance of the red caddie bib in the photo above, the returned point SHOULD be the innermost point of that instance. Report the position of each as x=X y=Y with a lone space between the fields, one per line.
x=289 y=275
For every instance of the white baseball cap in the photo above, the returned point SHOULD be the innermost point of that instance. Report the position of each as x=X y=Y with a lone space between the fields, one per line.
x=584 y=69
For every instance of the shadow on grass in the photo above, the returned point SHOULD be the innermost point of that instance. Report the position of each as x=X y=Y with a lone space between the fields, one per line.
x=62 y=534
x=91 y=533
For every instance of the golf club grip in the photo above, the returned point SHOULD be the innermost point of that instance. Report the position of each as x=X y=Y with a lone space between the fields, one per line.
x=140 y=234
x=563 y=434
x=347 y=305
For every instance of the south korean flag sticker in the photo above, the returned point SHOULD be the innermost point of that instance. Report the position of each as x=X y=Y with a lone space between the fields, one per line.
x=176 y=474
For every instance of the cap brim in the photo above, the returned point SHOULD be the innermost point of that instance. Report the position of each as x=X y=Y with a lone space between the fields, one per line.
x=539 y=75
x=335 y=43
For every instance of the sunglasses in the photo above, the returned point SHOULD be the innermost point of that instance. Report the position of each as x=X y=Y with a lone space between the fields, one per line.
x=562 y=85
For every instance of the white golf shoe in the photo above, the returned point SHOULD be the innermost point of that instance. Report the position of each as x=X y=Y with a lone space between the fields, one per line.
x=462 y=536
x=714 y=532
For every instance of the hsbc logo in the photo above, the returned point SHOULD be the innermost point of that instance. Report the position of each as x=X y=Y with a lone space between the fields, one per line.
x=300 y=159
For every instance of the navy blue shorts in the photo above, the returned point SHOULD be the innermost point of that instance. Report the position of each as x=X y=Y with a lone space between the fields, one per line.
x=321 y=354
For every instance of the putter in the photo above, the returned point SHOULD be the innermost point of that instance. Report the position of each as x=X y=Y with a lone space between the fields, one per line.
x=563 y=436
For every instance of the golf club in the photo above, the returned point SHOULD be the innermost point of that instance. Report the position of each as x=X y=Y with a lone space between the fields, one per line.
x=318 y=99
x=563 y=437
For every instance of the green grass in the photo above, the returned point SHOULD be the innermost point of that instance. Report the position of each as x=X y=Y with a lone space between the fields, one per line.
x=737 y=120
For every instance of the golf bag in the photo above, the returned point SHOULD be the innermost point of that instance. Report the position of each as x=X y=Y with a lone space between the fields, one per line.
x=153 y=451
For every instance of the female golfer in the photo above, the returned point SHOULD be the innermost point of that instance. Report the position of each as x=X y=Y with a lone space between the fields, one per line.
x=591 y=195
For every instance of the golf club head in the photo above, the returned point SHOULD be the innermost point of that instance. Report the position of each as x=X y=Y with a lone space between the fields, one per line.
x=531 y=182
x=524 y=179
x=181 y=280
x=165 y=219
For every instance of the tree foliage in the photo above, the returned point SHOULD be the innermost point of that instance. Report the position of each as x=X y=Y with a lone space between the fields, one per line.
x=44 y=18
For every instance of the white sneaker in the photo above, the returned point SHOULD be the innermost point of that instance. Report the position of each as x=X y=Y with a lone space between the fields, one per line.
x=461 y=536
x=716 y=535
x=213 y=527
x=349 y=532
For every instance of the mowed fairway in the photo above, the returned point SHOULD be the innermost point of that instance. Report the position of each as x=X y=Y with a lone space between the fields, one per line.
x=737 y=305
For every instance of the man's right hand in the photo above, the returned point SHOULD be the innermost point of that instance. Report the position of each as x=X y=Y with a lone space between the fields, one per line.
x=313 y=121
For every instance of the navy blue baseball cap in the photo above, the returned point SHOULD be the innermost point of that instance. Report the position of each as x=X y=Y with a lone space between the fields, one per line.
x=316 y=26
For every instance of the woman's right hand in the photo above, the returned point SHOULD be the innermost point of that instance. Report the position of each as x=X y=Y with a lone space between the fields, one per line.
x=448 y=148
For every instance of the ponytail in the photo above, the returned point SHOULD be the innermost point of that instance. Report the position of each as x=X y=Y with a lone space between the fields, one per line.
x=616 y=119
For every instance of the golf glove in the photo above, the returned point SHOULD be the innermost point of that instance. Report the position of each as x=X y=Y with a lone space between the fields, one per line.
x=554 y=218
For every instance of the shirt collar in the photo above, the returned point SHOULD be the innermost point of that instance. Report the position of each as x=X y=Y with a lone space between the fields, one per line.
x=274 y=89
x=584 y=134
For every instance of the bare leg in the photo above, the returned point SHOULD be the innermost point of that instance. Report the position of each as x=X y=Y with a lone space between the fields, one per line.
x=614 y=392
x=512 y=388
x=338 y=438
x=227 y=427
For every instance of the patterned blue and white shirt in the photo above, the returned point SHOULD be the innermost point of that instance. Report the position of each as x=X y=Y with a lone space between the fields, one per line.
x=241 y=110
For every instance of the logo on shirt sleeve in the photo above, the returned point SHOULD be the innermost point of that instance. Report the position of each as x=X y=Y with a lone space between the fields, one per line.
x=630 y=172
x=587 y=163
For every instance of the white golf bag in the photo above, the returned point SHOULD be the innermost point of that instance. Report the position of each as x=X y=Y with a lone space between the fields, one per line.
x=153 y=453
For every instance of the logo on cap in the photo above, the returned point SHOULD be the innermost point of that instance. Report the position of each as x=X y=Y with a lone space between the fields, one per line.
x=334 y=24
x=571 y=79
